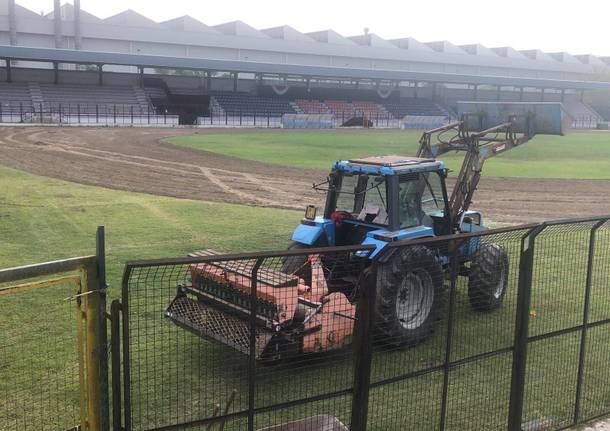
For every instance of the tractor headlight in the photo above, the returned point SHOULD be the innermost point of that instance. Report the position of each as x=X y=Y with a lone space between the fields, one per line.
x=310 y=212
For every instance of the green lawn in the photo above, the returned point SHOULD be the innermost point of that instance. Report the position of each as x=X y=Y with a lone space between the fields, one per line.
x=43 y=219
x=583 y=155
x=177 y=376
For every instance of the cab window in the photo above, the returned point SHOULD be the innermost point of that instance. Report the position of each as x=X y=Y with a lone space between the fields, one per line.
x=420 y=196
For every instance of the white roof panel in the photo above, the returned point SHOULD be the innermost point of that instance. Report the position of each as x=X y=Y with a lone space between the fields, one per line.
x=132 y=19
x=286 y=32
x=411 y=44
x=330 y=36
x=508 y=52
x=564 y=57
x=239 y=28
x=446 y=47
x=187 y=23
x=536 y=54
x=372 y=40
x=478 y=49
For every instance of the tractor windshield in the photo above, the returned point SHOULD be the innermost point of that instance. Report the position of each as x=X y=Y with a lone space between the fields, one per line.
x=365 y=197
x=420 y=196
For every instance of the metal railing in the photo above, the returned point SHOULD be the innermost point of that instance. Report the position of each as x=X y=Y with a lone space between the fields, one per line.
x=498 y=329
x=84 y=114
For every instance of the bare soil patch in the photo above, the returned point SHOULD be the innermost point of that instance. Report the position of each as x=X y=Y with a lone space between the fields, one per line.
x=136 y=160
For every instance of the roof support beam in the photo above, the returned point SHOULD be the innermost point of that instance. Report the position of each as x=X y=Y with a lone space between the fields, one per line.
x=12 y=22
x=57 y=22
x=100 y=74
x=77 y=32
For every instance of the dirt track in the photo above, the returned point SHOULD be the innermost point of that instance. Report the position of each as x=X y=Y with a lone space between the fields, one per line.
x=136 y=160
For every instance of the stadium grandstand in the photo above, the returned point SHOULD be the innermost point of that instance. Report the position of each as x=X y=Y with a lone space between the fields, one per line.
x=69 y=66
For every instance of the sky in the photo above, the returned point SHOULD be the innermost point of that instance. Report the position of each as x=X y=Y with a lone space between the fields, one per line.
x=581 y=27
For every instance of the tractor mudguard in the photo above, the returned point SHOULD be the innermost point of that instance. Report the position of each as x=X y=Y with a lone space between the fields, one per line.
x=381 y=238
x=309 y=234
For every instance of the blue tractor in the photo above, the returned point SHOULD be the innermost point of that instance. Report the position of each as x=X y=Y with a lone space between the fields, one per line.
x=306 y=304
x=386 y=199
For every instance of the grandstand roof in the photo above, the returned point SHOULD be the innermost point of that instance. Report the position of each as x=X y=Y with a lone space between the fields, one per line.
x=284 y=49
x=154 y=61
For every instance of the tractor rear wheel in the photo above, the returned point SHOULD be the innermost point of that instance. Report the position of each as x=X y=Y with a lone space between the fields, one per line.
x=409 y=287
x=488 y=279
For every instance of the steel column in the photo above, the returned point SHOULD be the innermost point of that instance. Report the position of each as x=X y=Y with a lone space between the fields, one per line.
x=12 y=23
x=585 y=319
x=526 y=268
x=252 y=357
x=363 y=348
x=57 y=24
x=9 y=70
x=115 y=350
x=454 y=272
x=77 y=29
x=55 y=72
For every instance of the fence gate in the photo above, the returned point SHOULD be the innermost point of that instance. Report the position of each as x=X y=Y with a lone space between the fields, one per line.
x=52 y=326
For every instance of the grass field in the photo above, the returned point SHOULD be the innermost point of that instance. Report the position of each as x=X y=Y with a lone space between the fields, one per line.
x=43 y=219
x=583 y=155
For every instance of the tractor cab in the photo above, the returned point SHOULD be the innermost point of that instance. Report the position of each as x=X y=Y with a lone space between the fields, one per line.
x=376 y=200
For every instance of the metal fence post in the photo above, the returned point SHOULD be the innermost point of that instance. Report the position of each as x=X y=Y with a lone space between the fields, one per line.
x=526 y=269
x=585 y=319
x=60 y=112
x=131 y=113
x=1 y=116
x=97 y=113
x=454 y=272
x=21 y=112
x=40 y=108
x=268 y=119
x=363 y=349
x=114 y=113
x=252 y=357
x=115 y=347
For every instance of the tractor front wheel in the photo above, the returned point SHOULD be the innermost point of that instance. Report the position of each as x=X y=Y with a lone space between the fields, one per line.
x=488 y=280
x=409 y=287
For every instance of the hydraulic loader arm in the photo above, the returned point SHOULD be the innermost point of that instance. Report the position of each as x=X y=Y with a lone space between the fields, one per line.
x=478 y=146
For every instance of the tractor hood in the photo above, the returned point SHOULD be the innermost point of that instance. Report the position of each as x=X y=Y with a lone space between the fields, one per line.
x=382 y=237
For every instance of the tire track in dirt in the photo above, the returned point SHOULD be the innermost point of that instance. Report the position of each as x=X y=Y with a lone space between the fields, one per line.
x=137 y=160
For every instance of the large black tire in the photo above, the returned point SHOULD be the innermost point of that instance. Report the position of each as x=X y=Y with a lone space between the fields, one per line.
x=488 y=279
x=290 y=264
x=409 y=290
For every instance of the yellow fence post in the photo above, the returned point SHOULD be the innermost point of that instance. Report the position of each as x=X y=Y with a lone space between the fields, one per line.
x=96 y=351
